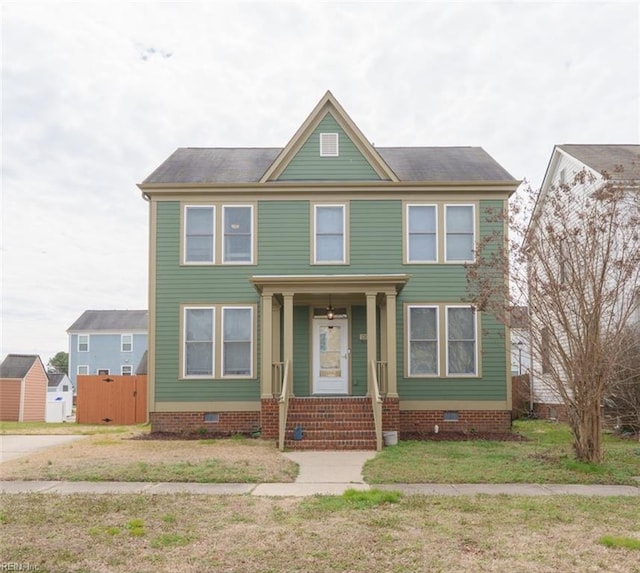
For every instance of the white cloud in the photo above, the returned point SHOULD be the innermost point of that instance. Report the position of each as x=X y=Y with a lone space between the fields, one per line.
x=96 y=96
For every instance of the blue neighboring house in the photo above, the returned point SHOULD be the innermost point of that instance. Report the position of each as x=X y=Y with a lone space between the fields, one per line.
x=107 y=342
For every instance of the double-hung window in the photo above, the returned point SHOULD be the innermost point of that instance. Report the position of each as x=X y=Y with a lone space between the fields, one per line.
x=423 y=340
x=461 y=341
x=83 y=369
x=237 y=336
x=329 y=225
x=126 y=343
x=126 y=370
x=83 y=343
x=199 y=245
x=238 y=240
x=199 y=342
x=460 y=233
x=422 y=243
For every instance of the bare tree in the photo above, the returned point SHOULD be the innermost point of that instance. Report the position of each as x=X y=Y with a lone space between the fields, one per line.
x=622 y=399
x=576 y=262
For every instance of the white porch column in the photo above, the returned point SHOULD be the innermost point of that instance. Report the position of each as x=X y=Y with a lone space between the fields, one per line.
x=266 y=355
x=371 y=333
x=392 y=360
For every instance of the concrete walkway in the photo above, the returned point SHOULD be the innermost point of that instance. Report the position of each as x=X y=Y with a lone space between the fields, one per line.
x=321 y=473
x=18 y=446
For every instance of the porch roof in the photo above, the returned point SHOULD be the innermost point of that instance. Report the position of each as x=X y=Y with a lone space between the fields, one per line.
x=329 y=283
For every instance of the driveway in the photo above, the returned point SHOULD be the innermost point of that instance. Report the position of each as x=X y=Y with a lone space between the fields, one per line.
x=12 y=447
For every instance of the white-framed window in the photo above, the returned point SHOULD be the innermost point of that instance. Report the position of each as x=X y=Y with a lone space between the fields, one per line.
x=83 y=343
x=422 y=234
x=199 y=338
x=459 y=233
x=199 y=231
x=237 y=341
x=126 y=343
x=329 y=145
x=329 y=234
x=103 y=372
x=423 y=351
x=237 y=241
x=126 y=370
x=462 y=339
x=82 y=370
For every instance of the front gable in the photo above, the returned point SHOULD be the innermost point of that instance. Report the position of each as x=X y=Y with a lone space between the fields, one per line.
x=355 y=159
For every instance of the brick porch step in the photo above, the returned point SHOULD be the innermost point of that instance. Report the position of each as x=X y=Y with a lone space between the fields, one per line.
x=340 y=423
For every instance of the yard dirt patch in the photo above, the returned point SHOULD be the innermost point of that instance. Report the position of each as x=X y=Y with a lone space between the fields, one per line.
x=464 y=436
x=120 y=457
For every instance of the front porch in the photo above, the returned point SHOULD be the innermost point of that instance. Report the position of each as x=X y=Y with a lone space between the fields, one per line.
x=347 y=324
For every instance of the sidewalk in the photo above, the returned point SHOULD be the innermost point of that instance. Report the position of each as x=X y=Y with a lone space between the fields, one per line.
x=320 y=473
x=310 y=489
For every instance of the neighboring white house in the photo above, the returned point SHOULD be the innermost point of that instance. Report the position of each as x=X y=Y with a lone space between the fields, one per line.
x=520 y=343
x=619 y=164
x=60 y=389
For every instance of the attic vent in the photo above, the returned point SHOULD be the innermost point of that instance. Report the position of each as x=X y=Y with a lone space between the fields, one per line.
x=328 y=145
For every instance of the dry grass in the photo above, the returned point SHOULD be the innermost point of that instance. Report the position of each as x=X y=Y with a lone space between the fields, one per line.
x=117 y=457
x=66 y=428
x=244 y=534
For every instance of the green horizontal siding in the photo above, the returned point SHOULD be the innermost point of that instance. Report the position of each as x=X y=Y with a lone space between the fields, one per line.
x=284 y=239
x=307 y=165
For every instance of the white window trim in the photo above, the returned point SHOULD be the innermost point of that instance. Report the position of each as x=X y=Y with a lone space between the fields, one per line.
x=408 y=234
x=475 y=374
x=122 y=343
x=344 y=234
x=78 y=373
x=323 y=150
x=107 y=371
x=123 y=366
x=88 y=342
x=222 y=231
x=408 y=344
x=184 y=343
x=184 y=236
x=251 y=342
x=475 y=233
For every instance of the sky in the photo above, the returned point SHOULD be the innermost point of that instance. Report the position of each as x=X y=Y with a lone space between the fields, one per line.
x=96 y=95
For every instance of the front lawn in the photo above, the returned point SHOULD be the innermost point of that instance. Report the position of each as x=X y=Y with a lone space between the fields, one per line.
x=547 y=457
x=365 y=533
x=117 y=457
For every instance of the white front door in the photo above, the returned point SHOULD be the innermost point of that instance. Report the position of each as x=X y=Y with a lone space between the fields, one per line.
x=330 y=356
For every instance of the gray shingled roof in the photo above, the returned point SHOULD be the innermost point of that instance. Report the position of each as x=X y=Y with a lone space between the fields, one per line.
x=142 y=366
x=608 y=158
x=248 y=165
x=112 y=320
x=55 y=378
x=17 y=365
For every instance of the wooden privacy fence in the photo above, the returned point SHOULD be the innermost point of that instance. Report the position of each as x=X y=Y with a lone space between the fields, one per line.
x=111 y=400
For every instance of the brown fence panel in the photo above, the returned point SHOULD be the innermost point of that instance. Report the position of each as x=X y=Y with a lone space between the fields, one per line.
x=117 y=400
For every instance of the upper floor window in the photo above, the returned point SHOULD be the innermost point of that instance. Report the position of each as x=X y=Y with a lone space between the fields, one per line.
x=126 y=370
x=329 y=226
x=83 y=343
x=461 y=341
x=422 y=244
x=198 y=341
x=126 y=343
x=199 y=234
x=83 y=369
x=329 y=146
x=237 y=240
x=459 y=233
x=423 y=340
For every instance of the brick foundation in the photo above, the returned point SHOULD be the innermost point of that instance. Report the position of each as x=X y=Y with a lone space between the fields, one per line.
x=269 y=418
x=240 y=422
x=556 y=412
x=391 y=415
x=424 y=421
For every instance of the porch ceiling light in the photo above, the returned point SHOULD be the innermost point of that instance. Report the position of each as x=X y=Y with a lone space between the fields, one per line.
x=330 y=312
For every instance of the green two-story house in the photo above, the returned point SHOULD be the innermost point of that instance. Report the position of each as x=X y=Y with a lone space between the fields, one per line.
x=315 y=292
